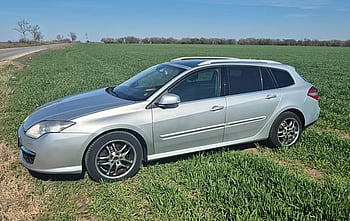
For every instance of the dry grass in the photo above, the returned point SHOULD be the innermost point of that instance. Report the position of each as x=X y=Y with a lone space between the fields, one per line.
x=7 y=70
x=82 y=202
x=19 y=199
x=17 y=65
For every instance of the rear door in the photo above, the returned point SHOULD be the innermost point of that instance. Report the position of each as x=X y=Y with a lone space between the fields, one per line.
x=251 y=101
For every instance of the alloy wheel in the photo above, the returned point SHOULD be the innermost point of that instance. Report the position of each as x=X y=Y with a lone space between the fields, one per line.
x=115 y=159
x=288 y=132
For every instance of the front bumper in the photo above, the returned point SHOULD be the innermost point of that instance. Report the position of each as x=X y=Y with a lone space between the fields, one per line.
x=53 y=153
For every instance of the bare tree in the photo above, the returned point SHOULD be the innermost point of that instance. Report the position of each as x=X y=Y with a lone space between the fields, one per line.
x=35 y=30
x=87 y=37
x=23 y=27
x=73 y=36
x=59 y=37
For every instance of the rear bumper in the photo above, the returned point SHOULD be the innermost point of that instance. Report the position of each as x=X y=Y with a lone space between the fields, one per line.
x=311 y=111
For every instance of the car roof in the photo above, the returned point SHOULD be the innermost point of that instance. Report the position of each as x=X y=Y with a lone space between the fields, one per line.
x=188 y=63
x=192 y=62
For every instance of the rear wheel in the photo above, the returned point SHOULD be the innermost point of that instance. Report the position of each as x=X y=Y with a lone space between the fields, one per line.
x=286 y=130
x=113 y=156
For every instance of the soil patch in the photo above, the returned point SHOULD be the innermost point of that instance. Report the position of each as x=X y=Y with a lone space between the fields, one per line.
x=19 y=199
x=253 y=150
x=315 y=174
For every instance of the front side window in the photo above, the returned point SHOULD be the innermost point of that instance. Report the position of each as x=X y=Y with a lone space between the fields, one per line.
x=243 y=80
x=200 y=85
x=143 y=85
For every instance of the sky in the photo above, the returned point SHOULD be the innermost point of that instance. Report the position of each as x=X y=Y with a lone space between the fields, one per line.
x=95 y=19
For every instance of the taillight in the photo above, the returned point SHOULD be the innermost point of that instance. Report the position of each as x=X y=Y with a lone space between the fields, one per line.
x=313 y=93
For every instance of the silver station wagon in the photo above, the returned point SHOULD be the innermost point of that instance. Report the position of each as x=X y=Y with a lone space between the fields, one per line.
x=186 y=105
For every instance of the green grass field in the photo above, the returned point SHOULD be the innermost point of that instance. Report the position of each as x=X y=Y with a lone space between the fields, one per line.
x=310 y=181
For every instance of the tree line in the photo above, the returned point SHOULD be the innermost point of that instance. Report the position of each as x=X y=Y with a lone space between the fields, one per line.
x=224 y=41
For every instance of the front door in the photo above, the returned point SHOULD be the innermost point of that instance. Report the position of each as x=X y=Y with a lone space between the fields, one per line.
x=198 y=120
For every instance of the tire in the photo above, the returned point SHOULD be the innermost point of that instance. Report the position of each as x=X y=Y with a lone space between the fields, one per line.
x=113 y=157
x=285 y=131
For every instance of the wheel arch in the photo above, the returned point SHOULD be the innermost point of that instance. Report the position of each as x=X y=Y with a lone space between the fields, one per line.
x=137 y=135
x=271 y=140
x=296 y=111
x=299 y=114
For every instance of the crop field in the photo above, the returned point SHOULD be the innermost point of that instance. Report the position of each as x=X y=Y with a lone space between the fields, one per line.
x=309 y=181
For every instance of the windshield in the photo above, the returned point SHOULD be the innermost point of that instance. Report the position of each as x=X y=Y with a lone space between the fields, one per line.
x=143 y=85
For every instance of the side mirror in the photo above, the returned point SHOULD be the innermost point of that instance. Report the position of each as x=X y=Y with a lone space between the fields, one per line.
x=169 y=101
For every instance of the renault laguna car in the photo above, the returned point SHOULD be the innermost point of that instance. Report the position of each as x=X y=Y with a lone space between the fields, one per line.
x=185 y=105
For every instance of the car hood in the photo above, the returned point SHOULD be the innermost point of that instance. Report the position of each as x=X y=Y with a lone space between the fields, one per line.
x=75 y=106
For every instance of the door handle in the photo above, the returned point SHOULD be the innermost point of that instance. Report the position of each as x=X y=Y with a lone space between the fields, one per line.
x=216 y=108
x=270 y=96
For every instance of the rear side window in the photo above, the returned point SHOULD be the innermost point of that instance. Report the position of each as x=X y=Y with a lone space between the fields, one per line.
x=282 y=77
x=244 y=79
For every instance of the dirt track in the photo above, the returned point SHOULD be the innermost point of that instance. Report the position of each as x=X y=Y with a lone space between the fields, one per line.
x=13 y=53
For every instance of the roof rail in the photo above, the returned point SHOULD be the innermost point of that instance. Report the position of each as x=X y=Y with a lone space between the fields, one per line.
x=235 y=60
x=201 y=57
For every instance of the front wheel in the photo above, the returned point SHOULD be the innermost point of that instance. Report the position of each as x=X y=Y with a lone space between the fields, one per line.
x=286 y=130
x=113 y=156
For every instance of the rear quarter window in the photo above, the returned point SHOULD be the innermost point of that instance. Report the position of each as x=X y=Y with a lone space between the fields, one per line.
x=282 y=77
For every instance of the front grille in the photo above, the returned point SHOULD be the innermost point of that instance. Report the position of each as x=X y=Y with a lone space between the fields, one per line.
x=28 y=156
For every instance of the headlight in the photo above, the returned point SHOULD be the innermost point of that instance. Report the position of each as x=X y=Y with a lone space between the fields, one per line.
x=45 y=127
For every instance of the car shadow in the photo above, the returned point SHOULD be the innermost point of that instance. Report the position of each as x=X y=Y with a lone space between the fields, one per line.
x=57 y=177
x=76 y=177
x=238 y=147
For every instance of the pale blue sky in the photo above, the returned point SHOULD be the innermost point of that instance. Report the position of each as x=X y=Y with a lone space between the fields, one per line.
x=298 y=19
